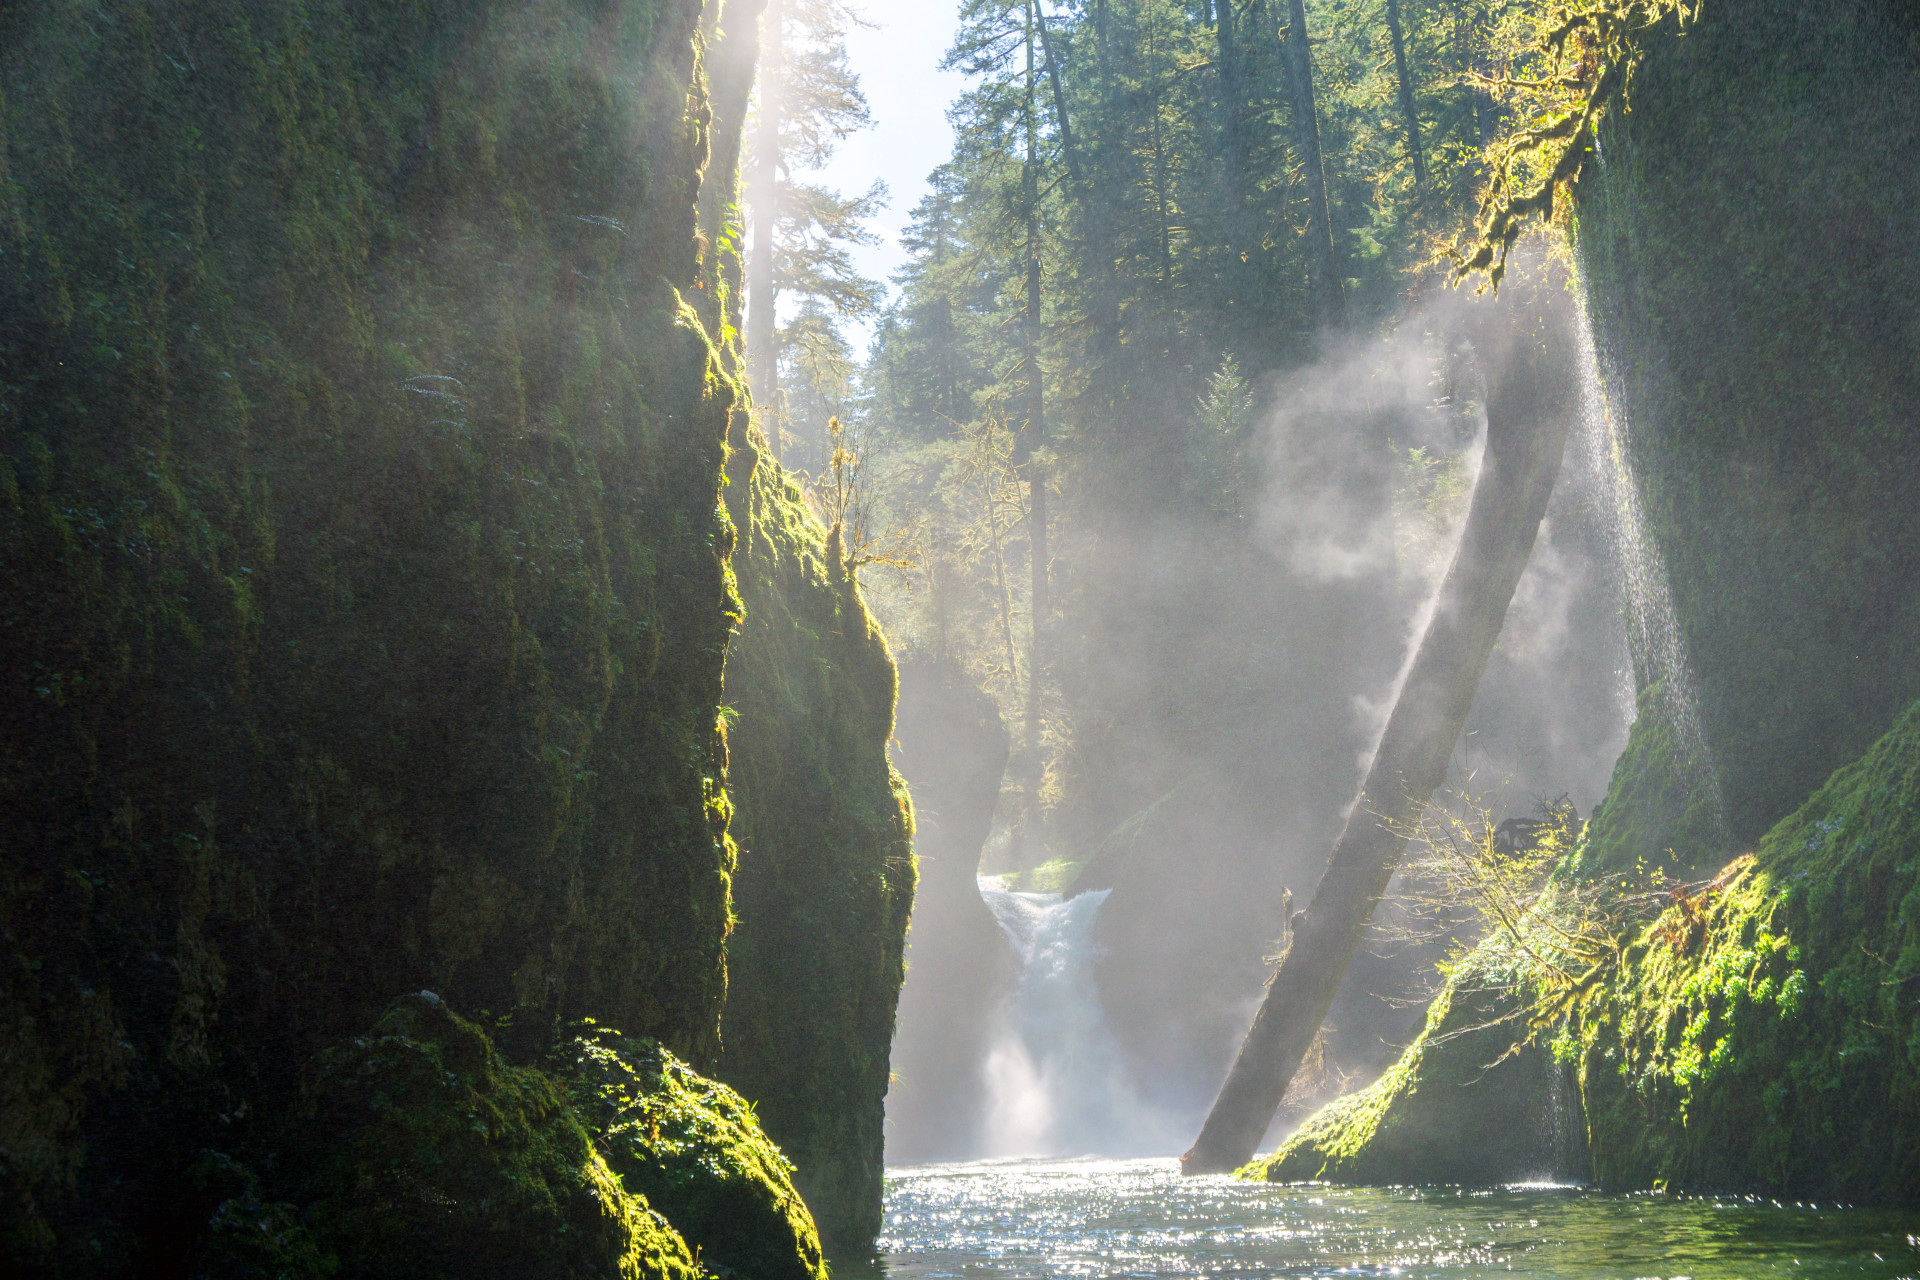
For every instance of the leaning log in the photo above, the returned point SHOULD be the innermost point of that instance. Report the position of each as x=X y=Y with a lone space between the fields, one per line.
x=1522 y=341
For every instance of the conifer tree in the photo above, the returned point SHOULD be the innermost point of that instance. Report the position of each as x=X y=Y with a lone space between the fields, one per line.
x=809 y=99
x=1003 y=44
x=1127 y=211
x=1329 y=305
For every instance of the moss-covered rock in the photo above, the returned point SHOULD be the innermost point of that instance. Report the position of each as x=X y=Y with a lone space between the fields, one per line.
x=826 y=869
x=1760 y=1035
x=420 y=1153
x=693 y=1148
x=1458 y=1107
x=1764 y=1035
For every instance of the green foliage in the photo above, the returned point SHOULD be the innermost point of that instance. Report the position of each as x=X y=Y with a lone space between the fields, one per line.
x=1574 y=62
x=1053 y=876
x=1430 y=496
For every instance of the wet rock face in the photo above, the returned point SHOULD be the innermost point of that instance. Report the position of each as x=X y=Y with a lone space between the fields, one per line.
x=1746 y=242
x=960 y=971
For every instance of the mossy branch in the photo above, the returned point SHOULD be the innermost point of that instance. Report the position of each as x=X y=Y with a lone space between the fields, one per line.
x=1586 y=55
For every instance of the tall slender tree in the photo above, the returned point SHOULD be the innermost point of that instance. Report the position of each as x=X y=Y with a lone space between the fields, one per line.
x=809 y=99
x=763 y=372
x=1003 y=43
x=1233 y=159
x=1322 y=263
x=1036 y=433
x=1403 y=81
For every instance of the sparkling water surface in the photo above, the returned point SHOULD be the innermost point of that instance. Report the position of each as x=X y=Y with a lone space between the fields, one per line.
x=1099 y=1218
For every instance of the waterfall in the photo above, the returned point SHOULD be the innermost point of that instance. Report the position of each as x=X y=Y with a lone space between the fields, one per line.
x=1056 y=1084
x=1565 y=1128
x=1654 y=639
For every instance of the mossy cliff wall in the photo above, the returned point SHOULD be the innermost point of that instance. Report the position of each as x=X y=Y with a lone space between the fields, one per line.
x=826 y=868
x=365 y=577
x=1746 y=240
x=1456 y=1107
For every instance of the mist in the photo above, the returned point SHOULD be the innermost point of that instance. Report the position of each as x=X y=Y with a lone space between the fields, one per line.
x=1245 y=668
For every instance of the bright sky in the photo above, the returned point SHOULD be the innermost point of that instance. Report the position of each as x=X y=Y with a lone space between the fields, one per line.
x=898 y=61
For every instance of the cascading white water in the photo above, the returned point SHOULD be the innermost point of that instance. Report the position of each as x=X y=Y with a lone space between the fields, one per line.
x=1056 y=1084
x=1654 y=639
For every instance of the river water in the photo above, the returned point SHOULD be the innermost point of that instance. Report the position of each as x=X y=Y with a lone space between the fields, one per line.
x=1140 y=1218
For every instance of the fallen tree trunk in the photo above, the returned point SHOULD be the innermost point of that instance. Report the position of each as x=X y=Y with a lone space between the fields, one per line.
x=1522 y=339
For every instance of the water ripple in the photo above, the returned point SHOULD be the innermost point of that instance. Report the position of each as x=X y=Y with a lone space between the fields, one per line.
x=1139 y=1218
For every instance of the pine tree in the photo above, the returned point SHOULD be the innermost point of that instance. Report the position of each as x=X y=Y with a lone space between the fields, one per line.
x=1141 y=162
x=809 y=99
x=1002 y=44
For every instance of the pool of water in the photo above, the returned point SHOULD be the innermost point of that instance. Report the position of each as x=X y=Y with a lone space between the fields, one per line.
x=1140 y=1218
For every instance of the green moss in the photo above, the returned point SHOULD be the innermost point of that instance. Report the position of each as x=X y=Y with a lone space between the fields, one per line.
x=363 y=570
x=1746 y=238
x=694 y=1149
x=1656 y=814
x=1056 y=875
x=1776 y=1045
x=1457 y=1107
x=826 y=873
x=420 y=1153
x=1760 y=1036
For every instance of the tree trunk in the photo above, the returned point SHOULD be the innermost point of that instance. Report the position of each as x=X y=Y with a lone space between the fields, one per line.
x=1322 y=264
x=1233 y=149
x=763 y=366
x=1060 y=105
x=1526 y=353
x=1035 y=438
x=1406 y=96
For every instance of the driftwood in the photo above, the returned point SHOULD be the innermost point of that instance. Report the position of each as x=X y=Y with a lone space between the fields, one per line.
x=1522 y=339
